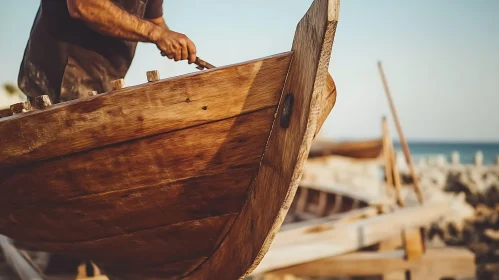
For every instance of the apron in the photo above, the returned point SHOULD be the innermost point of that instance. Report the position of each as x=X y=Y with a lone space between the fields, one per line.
x=65 y=59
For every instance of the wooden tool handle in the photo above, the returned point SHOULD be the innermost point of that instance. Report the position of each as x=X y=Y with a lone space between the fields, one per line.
x=201 y=64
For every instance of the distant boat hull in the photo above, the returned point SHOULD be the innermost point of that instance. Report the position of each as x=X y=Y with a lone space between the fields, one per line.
x=369 y=149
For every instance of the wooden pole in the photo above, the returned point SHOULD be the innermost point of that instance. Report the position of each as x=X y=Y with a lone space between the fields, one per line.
x=391 y=171
x=403 y=141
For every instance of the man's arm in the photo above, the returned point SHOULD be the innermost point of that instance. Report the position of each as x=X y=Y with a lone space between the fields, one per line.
x=159 y=21
x=107 y=18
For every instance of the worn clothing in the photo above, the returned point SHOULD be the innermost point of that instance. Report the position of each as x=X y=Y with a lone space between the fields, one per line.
x=65 y=59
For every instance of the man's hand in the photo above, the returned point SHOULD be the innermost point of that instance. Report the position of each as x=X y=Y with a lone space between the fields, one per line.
x=176 y=46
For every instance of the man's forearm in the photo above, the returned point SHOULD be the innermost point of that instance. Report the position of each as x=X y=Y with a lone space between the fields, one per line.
x=107 y=18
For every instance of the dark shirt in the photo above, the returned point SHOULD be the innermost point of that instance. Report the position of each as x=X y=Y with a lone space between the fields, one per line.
x=65 y=59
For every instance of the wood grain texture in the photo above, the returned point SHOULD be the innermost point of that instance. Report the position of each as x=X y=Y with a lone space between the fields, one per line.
x=368 y=149
x=166 y=199
x=5 y=113
x=144 y=110
x=446 y=262
x=299 y=246
x=150 y=251
x=154 y=161
x=281 y=168
x=327 y=103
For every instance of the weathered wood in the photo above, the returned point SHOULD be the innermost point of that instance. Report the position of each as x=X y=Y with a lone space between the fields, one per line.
x=302 y=201
x=369 y=149
x=152 y=76
x=338 y=189
x=5 y=113
x=229 y=144
x=20 y=107
x=444 y=262
x=141 y=111
x=131 y=154
x=387 y=144
x=298 y=246
x=321 y=206
x=328 y=221
x=412 y=237
x=328 y=102
x=41 y=102
x=282 y=164
x=118 y=84
x=338 y=201
x=403 y=141
x=150 y=250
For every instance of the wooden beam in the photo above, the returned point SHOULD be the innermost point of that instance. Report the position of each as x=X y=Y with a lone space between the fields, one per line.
x=403 y=141
x=145 y=110
x=332 y=220
x=444 y=262
x=298 y=246
x=330 y=187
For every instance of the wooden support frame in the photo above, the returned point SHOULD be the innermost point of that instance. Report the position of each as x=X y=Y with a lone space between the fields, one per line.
x=304 y=245
x=436 y=263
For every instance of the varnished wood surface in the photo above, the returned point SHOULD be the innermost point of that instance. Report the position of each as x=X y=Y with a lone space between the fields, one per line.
x=154 y=161
x=165 y=199
x=140 y=111
x=327 y=103
x=5 y=113
x=281 y=168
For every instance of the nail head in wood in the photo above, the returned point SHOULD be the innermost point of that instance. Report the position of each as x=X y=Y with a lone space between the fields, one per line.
x=42 y=101
x=287 y=110
x=92 y=93
x=20 y=107
x=118 y=84
x=152 y=76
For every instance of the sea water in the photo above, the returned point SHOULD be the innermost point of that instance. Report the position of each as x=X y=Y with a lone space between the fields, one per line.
x=466 y=151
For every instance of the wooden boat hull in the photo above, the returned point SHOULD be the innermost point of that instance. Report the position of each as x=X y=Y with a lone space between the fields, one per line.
x=187 y=177
x=369 y=149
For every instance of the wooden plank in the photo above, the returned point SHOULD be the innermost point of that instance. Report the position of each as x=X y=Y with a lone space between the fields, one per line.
x=150 y=251
x=140 y=111
x=125 y=212
x=5 y=113
x=282 y=164
x=330 y=187
x=328 y=101
x=298 y=246
x=403 y=141
x=412 y=237
x=445 y=262
x=325 y=222
x=169 y=271
x=142 y=163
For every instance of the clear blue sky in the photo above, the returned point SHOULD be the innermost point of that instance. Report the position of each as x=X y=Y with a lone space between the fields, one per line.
x=441 y=57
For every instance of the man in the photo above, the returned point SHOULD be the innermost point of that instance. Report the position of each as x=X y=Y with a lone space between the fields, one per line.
x=78 y=46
